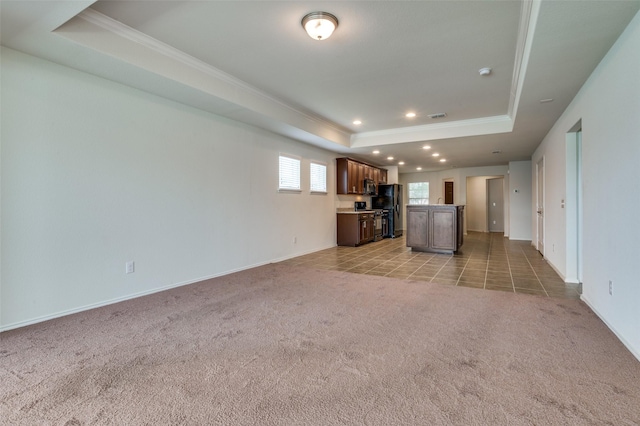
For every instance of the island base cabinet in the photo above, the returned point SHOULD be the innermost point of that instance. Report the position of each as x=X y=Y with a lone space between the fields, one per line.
x=435 y=228
x=417 y=228
x=443 y=230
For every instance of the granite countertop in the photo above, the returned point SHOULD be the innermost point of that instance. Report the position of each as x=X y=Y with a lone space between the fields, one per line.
x=434 y=205
x=351 y=211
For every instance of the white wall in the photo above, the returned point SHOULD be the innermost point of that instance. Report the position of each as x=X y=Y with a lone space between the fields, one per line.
x=392 y=174
x=520 y=194
x=609 y=106
x=95 y=174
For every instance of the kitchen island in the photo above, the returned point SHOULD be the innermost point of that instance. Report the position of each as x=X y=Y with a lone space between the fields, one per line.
x=435 y=227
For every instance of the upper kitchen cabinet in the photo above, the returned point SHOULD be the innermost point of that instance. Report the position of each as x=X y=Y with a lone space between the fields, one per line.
x=383 y=176
x=351 y=175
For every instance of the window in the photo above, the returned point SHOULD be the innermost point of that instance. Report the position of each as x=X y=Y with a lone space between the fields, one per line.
x=318 y=177
x=289 y=173
x=419 y=193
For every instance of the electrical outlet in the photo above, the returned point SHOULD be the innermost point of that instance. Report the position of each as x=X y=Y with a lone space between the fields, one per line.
x=611 y=287
x=129 y=267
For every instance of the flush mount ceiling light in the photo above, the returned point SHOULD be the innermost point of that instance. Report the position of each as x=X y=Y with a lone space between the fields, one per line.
x=484 y=71
x=319 y=25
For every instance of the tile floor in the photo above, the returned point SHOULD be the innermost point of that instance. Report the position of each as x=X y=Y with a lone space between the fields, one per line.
x=486 y=260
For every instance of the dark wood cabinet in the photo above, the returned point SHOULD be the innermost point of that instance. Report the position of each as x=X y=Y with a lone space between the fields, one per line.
x=367 y=225
x=349 y=179
x=354 y=177
x=435 y=228
x=375 y=175
x=351 y=175
x=355 y=229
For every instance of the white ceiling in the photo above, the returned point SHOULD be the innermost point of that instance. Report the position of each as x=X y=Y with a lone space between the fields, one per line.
x=252 y=61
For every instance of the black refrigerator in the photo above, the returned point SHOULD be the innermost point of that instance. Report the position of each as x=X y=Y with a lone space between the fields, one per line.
x=390 y=198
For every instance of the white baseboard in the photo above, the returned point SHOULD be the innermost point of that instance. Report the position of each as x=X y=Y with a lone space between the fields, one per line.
x=66 y=312
x=564 y=278
x=635 y=352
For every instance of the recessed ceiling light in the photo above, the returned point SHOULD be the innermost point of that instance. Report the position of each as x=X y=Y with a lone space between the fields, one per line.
x=389 y=158
x=410 y=114
x=435 y=154
x=544 y=101
x=443 y=160
x=418 y=168
x=484 y=71
x=376 y=152
x=401 y=163
x=426 y=147
x=357 y=122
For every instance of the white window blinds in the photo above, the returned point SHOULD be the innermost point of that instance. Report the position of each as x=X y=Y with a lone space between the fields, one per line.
x=318 y=177
x=289 y=173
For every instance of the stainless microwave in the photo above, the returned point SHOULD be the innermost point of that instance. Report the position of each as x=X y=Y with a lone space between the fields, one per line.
x=370 y=187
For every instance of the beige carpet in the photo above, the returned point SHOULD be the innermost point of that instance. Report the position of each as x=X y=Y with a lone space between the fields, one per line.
x=280 y=345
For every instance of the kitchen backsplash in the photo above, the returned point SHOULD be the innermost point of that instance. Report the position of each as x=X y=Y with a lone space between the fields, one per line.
x=346 y=201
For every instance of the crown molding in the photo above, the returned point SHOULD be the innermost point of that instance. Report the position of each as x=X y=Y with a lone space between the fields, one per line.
x=124 y=31
x=446 y=130
x=528 y=19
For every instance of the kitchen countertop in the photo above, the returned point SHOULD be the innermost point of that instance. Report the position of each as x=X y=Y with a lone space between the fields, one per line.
x=354 y=211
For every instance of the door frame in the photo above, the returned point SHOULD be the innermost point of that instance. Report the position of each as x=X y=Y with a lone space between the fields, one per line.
x=488 y=207
x=573 y=205
x=540 y=213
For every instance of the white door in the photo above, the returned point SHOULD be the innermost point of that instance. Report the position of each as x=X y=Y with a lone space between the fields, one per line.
x=540 y=204
x=496 y=204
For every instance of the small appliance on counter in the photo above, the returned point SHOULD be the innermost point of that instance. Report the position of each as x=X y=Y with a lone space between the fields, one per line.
x=360 y=205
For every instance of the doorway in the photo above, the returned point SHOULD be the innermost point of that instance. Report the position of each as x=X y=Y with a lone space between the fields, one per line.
x=540 y=205
x=495 y=201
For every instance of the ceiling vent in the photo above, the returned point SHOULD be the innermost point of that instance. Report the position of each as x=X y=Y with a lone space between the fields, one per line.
x=438 y=115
